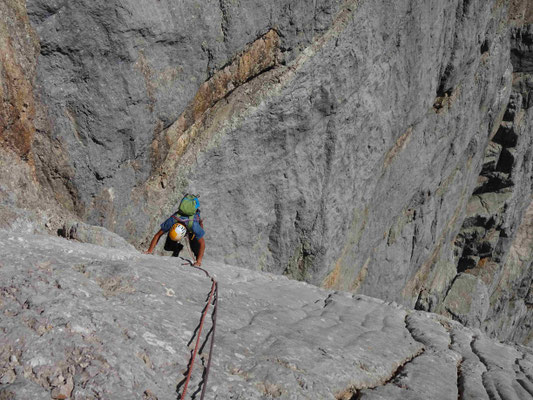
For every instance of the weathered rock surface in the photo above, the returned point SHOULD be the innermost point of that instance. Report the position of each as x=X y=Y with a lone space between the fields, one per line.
x=493 y=247
x=19 y=48
x=83 y=322
x=511 y=311
x=24 y=204
x=132 y=75
x=339 y=143
x=86 y=233
x=115 y=74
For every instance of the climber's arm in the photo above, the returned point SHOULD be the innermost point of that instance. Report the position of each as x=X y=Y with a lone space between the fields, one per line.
x=154 y=241
x=201 y=250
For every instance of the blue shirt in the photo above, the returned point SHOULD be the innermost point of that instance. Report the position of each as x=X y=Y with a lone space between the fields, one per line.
x=196 y=228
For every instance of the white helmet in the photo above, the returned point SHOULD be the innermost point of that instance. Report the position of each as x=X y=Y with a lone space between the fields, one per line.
x=177 y=232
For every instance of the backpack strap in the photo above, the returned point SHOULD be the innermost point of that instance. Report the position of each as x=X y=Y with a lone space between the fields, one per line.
x=190 y=222
x=187 y=221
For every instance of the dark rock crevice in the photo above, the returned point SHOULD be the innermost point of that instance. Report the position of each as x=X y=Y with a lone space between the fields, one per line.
x=487 y=384
x=460 y=380
x=399 y=370
x=485 y=222
x=495 y=210
x=525 y=378
x=356 y=393
x=225 y=19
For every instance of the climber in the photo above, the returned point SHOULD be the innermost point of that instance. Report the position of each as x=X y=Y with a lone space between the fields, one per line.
x=184 y=222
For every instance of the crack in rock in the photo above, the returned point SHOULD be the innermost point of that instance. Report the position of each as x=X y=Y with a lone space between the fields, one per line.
x=353 y=392
x=487 y=383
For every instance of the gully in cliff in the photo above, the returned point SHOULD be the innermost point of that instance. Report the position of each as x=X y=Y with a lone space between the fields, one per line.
x=184 y=222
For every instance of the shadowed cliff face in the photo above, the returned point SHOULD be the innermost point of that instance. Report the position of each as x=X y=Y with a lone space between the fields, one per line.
x=19 y=47
x=18 y=53
x=343 y=143
x=24 y=205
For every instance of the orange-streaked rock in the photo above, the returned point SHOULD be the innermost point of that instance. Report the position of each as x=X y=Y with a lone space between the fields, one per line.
x=18 y=57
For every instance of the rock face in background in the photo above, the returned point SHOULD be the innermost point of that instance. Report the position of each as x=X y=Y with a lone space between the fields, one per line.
x=81 y=321
x=494 y=247
x=380 y=147
x=510 y=312
x=19 y=49
x=24 y=204
x=114 y=75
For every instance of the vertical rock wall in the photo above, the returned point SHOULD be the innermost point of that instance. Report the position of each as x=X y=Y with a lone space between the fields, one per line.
x=492 y=249
x=115 y=75
x=510 y=311
x=328 y=149
x=18 y=53
x=22 y=200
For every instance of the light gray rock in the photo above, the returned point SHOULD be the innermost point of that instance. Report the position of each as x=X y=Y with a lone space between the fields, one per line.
x=87 y=321
x=93 y=234
x=114 y=75
x=468 y=300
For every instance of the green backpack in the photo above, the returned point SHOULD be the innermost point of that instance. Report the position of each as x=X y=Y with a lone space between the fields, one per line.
x=189 y=205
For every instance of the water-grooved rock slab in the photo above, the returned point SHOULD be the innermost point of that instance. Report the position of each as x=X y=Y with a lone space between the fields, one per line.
x=90 y=322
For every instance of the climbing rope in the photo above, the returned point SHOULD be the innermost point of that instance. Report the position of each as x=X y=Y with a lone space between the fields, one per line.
x=214 y=319
x=213 y=298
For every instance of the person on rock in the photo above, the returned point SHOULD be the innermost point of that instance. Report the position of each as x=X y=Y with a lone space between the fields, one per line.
x=184 y=222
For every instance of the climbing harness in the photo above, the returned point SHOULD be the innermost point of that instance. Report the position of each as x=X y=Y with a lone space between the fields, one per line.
x=213 y=299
